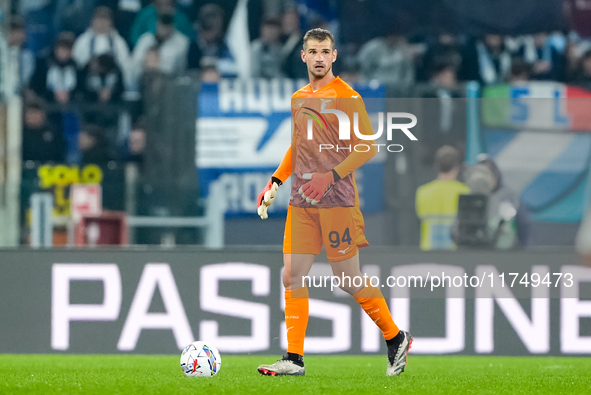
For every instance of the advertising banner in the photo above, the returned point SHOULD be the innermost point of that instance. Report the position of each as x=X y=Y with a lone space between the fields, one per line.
x=156 y=302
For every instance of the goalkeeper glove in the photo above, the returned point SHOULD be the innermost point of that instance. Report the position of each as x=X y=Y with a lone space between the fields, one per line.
x=267 y=196
x=318 y=186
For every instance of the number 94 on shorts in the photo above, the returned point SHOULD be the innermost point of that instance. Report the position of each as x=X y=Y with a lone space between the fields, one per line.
x=339 y=229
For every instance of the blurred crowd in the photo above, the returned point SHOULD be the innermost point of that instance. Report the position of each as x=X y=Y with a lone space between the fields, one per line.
x=96 y=54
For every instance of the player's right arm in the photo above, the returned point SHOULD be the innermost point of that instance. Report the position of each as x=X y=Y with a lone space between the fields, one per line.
x=268 y=193
x=284 y=170
x=280 y=175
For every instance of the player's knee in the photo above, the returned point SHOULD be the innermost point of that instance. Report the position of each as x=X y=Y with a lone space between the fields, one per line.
x=287 y=279
x=348 y=282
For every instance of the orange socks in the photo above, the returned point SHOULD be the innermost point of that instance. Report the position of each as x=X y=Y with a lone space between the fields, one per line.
x=296 y=319
x=297 y=311
x=373 y=302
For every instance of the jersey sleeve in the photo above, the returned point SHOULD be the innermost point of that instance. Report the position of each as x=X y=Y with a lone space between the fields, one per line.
x=357 y=158
x=284 y=170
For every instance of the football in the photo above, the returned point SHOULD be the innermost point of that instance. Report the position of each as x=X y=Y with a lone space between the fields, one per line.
x=200 y=359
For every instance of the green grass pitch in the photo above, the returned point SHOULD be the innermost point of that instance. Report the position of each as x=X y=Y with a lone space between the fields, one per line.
x=133 y=374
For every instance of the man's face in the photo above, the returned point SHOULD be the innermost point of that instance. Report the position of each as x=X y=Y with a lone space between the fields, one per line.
x=447 y=78
x=86 y=141
x=102 y=25
x=270 y=34
x=213 y=30
x=164 y=31
x=17 y=37
x=137 y=141
x=34 y=118
x=493 y=40
x=63 y=53
x=319 y=56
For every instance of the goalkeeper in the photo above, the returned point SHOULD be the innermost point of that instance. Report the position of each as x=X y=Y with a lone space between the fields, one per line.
x=324 y=206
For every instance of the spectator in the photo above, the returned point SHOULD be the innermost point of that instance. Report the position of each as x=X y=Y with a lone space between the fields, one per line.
x=446 y=48
x=267 y=51
x=388 y=60
x=547 y=62
x=41 y=141
x=292 y=45
x=575 y=48
x=582 y=75
x=56 y=76
x=136 y=145
x=210 y=46
x=445 y=123
x=445 y=78
x=124 y=14
x=507 y=217
x=572 y=58
x=146 y=20
x=494 y=60
x=22 y=58
x=165 y=51
x=102 y=80
x=93 y=145
x=101 y=38
x=437 y=201
x=520 y=72
x=194 y=54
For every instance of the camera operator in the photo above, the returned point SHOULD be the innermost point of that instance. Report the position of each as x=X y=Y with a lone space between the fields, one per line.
x=492 y=215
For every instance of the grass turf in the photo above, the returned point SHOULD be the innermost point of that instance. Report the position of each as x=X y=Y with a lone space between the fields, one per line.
x=110 y=374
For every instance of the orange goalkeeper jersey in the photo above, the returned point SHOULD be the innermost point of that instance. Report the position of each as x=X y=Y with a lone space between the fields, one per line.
x=310 y=158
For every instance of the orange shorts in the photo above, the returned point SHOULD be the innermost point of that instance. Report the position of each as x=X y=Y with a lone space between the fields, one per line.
x=339 y=229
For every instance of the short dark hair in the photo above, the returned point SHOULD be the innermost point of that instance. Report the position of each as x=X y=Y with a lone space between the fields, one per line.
x=519 y=67
x=447 y=158
x=318 y=34
x=140 y=123
x=65 y=39
x=442 y=64
x=17 y=23
x=35 y=104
